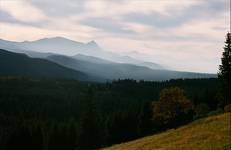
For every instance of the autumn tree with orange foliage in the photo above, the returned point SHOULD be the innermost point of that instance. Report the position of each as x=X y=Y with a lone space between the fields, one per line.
x=172 y=109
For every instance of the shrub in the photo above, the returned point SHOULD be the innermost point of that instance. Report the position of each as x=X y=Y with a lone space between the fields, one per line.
x=227 y=108
x=215 y=112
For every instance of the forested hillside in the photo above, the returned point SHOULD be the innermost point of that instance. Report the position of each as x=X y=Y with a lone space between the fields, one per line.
x=68 y=114
x=22 y=65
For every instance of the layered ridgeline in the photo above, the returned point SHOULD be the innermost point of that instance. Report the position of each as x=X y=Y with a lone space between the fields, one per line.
x=59 y=45
x=111 y=70
x=22 y=65
x=90 y=59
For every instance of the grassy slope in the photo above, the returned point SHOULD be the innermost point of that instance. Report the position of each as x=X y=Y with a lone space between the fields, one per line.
x=204 y=134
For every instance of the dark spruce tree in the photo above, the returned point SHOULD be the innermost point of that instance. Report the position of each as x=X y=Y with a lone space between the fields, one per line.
x=144 y=126
x=89 y=137
x=225 y=71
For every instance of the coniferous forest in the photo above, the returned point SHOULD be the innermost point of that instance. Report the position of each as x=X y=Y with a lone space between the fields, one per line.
x=67 y=114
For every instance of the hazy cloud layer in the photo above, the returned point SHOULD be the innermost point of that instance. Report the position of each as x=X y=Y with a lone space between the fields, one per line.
x=185 y=34
x=204 y=10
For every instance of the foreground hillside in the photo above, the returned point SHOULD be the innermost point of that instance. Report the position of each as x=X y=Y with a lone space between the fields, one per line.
x=208 y=133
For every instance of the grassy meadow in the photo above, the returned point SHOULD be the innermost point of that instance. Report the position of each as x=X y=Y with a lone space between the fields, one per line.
x=204 y=134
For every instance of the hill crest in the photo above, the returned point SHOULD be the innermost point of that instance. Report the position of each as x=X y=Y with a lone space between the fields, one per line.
x=211 y=133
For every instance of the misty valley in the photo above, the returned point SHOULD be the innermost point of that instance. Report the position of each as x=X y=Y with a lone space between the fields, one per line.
x=115 y=75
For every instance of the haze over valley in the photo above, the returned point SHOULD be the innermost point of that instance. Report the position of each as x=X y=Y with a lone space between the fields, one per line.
x=92 y=60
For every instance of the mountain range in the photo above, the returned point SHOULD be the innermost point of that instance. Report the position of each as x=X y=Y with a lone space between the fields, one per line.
x=44 y=47
x=21 y=65
x=63 y=58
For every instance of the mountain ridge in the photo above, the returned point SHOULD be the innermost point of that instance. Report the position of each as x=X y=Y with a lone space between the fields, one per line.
x=22 y=65
x=64 y=46
x=115 y=71
x=114 y=68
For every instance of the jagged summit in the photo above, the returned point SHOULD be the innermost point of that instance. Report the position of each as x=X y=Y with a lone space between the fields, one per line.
x=92 y=42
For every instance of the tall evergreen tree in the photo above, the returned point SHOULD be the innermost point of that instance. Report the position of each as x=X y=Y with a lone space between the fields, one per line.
x=144 y=119
x=225 y=70
x=89 y=137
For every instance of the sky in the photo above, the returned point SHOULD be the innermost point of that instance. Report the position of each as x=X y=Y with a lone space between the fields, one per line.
x=186 y=35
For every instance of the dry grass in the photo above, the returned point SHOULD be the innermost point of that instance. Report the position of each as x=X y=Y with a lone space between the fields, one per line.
x=205 y=134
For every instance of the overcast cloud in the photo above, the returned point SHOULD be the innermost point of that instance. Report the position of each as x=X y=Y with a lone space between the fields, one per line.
x=183 y=34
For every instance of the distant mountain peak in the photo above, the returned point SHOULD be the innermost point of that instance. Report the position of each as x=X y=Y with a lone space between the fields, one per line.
x=50 y=39
x=92 y=43
x=26 y=41
x=57 y=38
